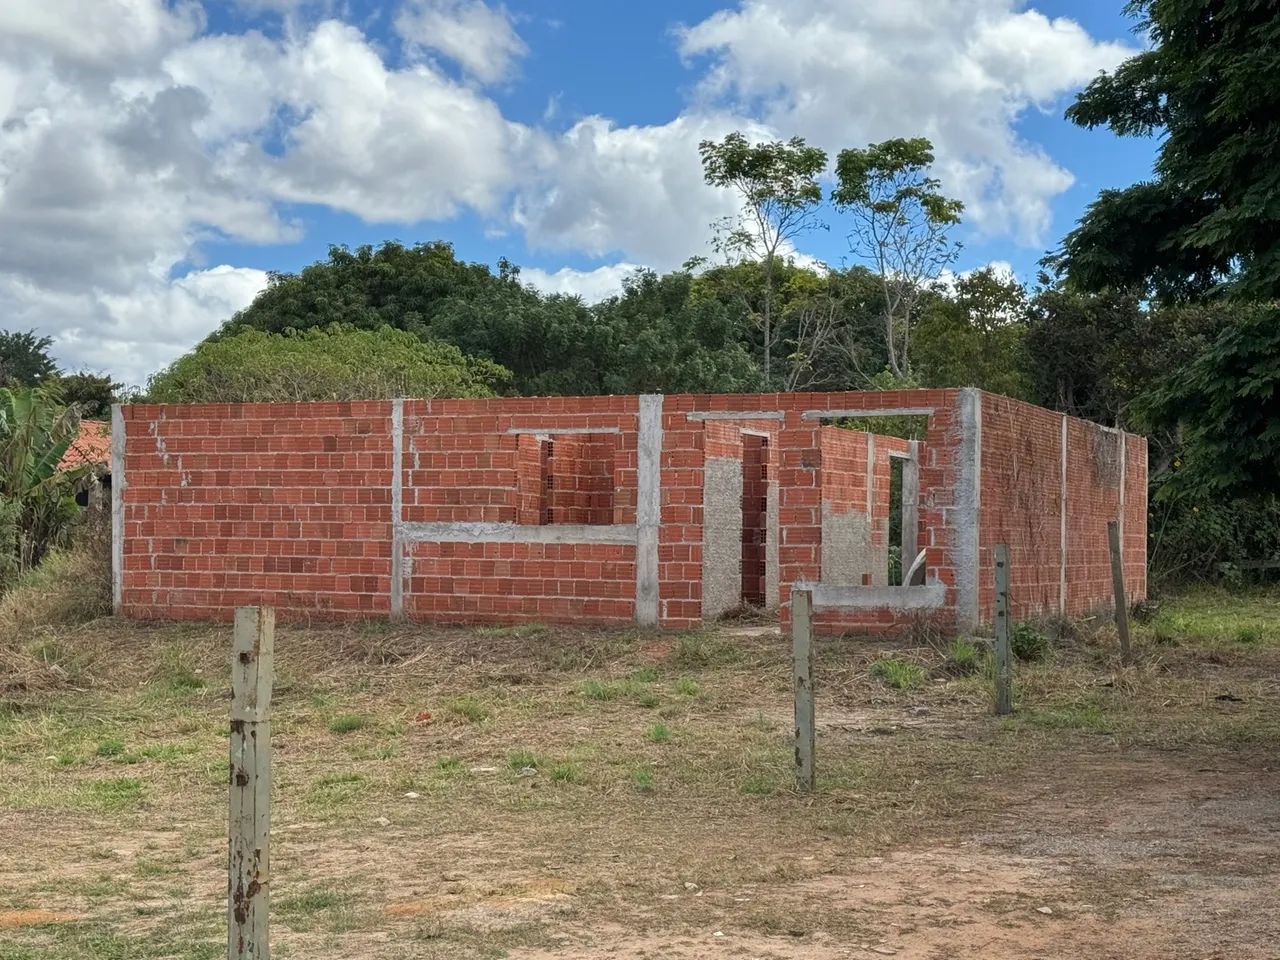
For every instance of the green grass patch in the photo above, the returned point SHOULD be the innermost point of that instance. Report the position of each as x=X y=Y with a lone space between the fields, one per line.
x=567 y=773
x=964 y=657
x=688 y=687
x=521 y=759
x=1212 y=614
x=347 y=723
x=112 y=795
x=468 y=709
x=659 y=733
x=698 y=651
x=899 y=674
x=110 y=748
x=323 y=908
x=642 y=779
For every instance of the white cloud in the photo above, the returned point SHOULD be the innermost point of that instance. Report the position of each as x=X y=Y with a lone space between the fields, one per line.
x=960 y=72
x=479 y=38
x=591 y=285
x=636 y=190
x=130 y=334
x=129 y=136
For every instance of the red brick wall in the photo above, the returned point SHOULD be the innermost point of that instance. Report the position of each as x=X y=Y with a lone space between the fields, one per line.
x=291 y=504
x=1021 y=505
x=463 y=464
x=282 y=504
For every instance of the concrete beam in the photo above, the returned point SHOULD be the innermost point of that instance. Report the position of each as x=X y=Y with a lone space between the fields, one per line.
x=559 y=431
x=872 y=412
x=444 y=531
x=931 y=596
x=736 y=415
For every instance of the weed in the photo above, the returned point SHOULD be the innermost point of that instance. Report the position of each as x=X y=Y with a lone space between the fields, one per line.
x=567 y=773
x=523 y=759
x=659 y=733
x=325 y=907
x=898 y=673
x=688 y=687
x=110 y=748
x=759 y=785
x=645 y=675
x=964 y=656
x=347 y=723
x=338 y=789
x=695 y=651
x=642 y=779
x=467 y=708
x=1028 y=643
x=450 y=765
x=113 y=794
x=600 y=690
x=1248 y=635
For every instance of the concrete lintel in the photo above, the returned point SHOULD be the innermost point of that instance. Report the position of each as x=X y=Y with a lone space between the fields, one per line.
x=118 y=484
x=737 y=415
x=871 y=412
x=491 y=532
x=397 y=511
x=648 y=506
x=931 y=596
x=558 y=431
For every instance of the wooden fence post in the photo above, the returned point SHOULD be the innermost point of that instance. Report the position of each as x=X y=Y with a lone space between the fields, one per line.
x=1117 y=587
x=248 y=864
x=802 y=663
x=1004 y=651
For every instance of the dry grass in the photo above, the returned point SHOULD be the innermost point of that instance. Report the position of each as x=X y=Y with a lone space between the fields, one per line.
x=545 y=791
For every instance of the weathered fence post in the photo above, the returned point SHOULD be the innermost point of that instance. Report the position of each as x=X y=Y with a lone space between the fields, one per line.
x=1004 y=651
x=248 y=865
x=1117 y=586
x=802 y=663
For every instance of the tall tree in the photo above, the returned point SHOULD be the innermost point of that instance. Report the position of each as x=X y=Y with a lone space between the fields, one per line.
x=777 y=183
x=1209 y=219
x=92 y=394
x=974 y=337
x=24 y=359
x=901 y=224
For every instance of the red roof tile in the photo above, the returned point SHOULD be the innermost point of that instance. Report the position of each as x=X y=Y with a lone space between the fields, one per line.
x=93 y=446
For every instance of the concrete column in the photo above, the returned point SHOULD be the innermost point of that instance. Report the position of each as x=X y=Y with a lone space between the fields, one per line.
x=117 y=507
x=911 y=506
x=648 y=507
x=1062 y=535
x=968 y=509
x=397 y=509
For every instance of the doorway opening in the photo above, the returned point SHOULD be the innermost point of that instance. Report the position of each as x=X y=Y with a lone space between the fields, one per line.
x=755 y=509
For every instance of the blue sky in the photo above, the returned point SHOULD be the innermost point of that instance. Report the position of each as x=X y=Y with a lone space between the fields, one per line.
x=200 y=145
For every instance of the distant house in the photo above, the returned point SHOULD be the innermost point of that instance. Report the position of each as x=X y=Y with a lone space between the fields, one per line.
x=92 y=446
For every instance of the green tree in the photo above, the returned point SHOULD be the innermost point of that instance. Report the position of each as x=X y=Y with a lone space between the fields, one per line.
x=37 y=499
x=901 y=224
x=332 y=363
x=24 y=359
x=1208 y=87
x=1225 y=406
x=92 y=394
x=777 y=183
x=974 y=337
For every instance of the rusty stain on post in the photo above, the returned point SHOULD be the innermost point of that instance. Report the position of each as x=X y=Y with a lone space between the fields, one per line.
x=249 y=822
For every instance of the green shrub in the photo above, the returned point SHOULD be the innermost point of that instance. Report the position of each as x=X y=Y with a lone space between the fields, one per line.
x=898 y=673
x=1028 y=642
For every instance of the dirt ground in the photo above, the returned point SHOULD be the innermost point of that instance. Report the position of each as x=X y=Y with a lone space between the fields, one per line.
x=546 y=793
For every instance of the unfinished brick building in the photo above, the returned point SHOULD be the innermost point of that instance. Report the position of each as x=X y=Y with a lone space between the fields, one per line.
x=663 y=510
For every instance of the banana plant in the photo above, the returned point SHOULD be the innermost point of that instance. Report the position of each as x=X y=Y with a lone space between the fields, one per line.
x=37 y=497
